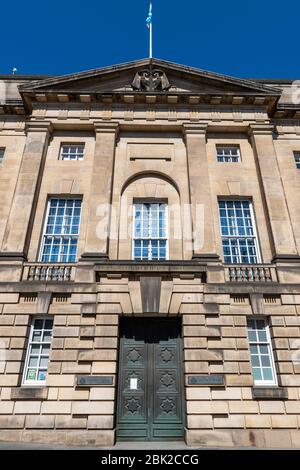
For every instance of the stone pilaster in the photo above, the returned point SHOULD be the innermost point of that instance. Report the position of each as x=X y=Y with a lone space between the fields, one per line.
x=17 y=231
x=261 y=137
x=204 y=246
x=97 y=239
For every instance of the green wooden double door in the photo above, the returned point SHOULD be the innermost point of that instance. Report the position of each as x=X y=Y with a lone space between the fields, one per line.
x=150 y=402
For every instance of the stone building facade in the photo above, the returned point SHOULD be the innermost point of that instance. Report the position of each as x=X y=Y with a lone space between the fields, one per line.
x=149 y=257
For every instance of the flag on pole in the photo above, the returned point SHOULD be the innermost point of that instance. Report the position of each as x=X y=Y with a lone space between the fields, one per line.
x=149 y=17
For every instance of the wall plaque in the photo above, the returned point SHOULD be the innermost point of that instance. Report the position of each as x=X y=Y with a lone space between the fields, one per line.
x=150 y=151
x=94 y=380
x=209 y=380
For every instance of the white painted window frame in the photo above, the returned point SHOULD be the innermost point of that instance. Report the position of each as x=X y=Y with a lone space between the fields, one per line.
x=220 y=146
x=166 y=238
x=255 y=233
x=35 y=383
x=264 y=383
x=74 y=145
x=42 y=241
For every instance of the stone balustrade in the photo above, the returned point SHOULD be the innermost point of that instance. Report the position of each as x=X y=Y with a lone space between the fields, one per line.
x=251 y=273
x=48 y=272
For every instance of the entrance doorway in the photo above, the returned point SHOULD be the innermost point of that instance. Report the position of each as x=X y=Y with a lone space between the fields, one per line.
x=150 y=402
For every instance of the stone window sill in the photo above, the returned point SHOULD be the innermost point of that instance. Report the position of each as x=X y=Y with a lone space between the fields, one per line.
x=29 y=393
x=269 y=393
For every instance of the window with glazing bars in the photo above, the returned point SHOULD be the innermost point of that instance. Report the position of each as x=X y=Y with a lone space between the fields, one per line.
x=228 y=153
x=38 y=350
x=2 y=151
x=72 y=152
x=150 y=237
x=262 y=360
x=238 y=231
x=297 y=159
x=60 y=237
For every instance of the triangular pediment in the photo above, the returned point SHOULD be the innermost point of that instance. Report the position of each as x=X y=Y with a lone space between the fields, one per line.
x=128 y=77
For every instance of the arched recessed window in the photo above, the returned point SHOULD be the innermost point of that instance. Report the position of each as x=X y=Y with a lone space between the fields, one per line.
x=150 y=231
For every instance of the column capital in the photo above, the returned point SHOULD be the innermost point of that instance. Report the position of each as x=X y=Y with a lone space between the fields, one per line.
x=39 y=126
x=106 y=127
x=260 y=129
x=195 y=128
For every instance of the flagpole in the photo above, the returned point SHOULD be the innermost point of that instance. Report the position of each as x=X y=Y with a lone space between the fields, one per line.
x=149 y=25
x=150 y=40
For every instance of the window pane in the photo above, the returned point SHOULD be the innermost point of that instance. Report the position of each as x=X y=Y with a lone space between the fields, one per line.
x=65 y=225
x=31 y=374
x=43 y=362
x=42 y=375
x=155 y=252
x=146 y=251
x=267 y=374
x=260 y=351
x=257 y=375
x=37 y=336
x=45 y=350
x=72 y=152
x=262 y=336
x=48 y=324
x=228 y=153
x=35 y=349
x=255 y=361
x=149 y=231
x=263 y=349
x=47 y=336
x=37 y=356
x=265 y=361
x=252 y=335
x=162 y=252
x=33 y=362
x=235 y=224
x=38 y=324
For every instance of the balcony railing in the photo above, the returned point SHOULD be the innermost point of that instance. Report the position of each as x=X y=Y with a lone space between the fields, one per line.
x=48 y=272
x=57 y=272
x=251 y=273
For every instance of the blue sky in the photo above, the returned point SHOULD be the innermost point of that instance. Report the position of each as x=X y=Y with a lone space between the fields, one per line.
x=257 y=38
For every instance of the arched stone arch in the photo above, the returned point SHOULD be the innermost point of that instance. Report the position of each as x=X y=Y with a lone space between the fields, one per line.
x=149 y=174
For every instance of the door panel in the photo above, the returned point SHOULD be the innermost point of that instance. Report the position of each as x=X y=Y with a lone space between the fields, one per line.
x=150 y=398
x=132 y=402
